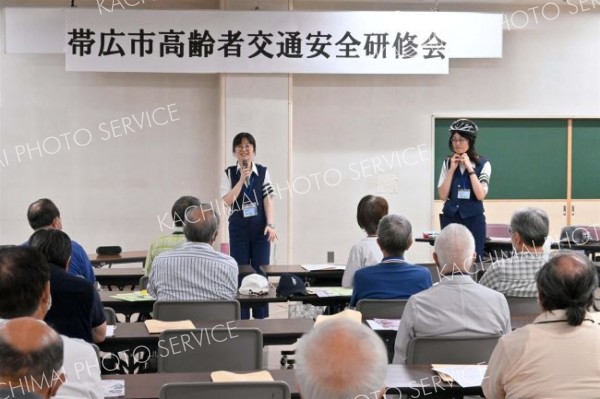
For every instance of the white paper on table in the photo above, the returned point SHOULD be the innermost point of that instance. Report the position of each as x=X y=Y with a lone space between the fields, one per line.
x=324 y=292
x=110 y=330
x=465 y=375
x=384 y=324
x=113 y=388
x=391 y=378
x=323 y=266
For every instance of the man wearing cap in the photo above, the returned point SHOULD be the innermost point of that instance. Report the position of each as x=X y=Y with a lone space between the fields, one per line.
x=464 y=181
x=195 y=271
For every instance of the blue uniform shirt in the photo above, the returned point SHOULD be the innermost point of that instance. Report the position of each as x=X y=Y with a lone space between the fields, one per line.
x=393 y=278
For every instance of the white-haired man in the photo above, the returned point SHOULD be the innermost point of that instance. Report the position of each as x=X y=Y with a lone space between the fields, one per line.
x=341 y=359
x=457 y=306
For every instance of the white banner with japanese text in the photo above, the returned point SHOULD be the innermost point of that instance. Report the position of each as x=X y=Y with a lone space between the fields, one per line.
x=277 y=41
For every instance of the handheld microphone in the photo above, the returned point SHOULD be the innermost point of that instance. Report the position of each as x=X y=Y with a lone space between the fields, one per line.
x=244 y=166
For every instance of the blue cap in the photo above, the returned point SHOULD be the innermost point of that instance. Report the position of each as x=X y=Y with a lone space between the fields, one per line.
x=290 y=284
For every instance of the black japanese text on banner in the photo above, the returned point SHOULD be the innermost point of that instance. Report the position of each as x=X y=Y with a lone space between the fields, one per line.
x=277 y=42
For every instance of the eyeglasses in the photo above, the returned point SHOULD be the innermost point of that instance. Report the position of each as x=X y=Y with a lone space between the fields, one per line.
x=458 y=141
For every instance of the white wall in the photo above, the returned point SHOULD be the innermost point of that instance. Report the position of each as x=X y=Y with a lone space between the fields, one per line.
x=112 y=191
x=547 y=69
x=109 y=192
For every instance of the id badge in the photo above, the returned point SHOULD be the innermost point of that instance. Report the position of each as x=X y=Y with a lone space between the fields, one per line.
x=464 y=193
x=249 y=210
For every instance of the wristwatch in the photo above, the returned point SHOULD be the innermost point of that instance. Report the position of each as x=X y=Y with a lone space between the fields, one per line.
x=271 y=225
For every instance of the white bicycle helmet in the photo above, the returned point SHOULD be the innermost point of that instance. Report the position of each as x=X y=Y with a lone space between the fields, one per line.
x=465 y=126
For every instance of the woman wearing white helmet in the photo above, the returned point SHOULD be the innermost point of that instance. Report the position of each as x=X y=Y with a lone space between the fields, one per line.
x=464 y=182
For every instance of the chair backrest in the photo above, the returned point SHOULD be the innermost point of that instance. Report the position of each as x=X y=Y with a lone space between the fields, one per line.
x=580 y=234
x=111 y=316
x=210 y=349
x=451 y=350
x=435 y=273
x=522 y=306
x=220 y=390
x=381 y=308
x=196 y=310
x=497 y=230
x=143 y=282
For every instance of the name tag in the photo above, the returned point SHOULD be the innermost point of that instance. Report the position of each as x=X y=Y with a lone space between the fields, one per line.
x=249 y=210
x=464 y=193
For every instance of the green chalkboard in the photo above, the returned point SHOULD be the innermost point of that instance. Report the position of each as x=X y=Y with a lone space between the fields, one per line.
x=528 y=156
x=586 y=159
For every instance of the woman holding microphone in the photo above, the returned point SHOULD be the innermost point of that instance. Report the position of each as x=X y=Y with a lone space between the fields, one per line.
x=246 y=189
x=464 y=182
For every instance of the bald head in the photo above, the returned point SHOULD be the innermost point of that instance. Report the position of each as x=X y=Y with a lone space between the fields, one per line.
x=567 y=281
x=201 y=224
x=454 y=249
x=32 y=356
x=340 y=359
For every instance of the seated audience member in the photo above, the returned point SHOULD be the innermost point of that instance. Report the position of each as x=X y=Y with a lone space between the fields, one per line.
x=558 y=355
x=25 y=288
x=31 y=358
x=393 y=277
x=341 y=359
x=366 y=252
x=176 y=238
x=43 y=214
x=77 y=310
x=457 y=306
x=515 y=276
x=195 y=271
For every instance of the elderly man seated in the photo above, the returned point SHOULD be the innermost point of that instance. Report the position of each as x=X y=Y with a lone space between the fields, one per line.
x=558 y=355
x=341 y=359
x=515 y=276
x=394 y=277
x=457 y=306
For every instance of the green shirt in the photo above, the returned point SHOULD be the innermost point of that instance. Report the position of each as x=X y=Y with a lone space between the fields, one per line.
x=162 y=244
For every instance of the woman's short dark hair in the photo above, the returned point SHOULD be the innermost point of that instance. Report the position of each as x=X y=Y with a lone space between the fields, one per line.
x=471 y=152
x=237 y=140
x=369 y=212
x=567 y=281
x=54 y=244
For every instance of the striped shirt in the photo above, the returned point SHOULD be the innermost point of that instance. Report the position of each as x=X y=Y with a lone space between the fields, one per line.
x=515 y=276
x=193 y=272
x=163 y=244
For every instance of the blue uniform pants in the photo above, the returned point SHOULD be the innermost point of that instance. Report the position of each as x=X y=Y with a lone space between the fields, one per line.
x=475 y=224
x=249 y=246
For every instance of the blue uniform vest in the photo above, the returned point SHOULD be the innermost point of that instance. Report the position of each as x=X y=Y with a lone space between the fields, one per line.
x=466 y=208
x=251 y=193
